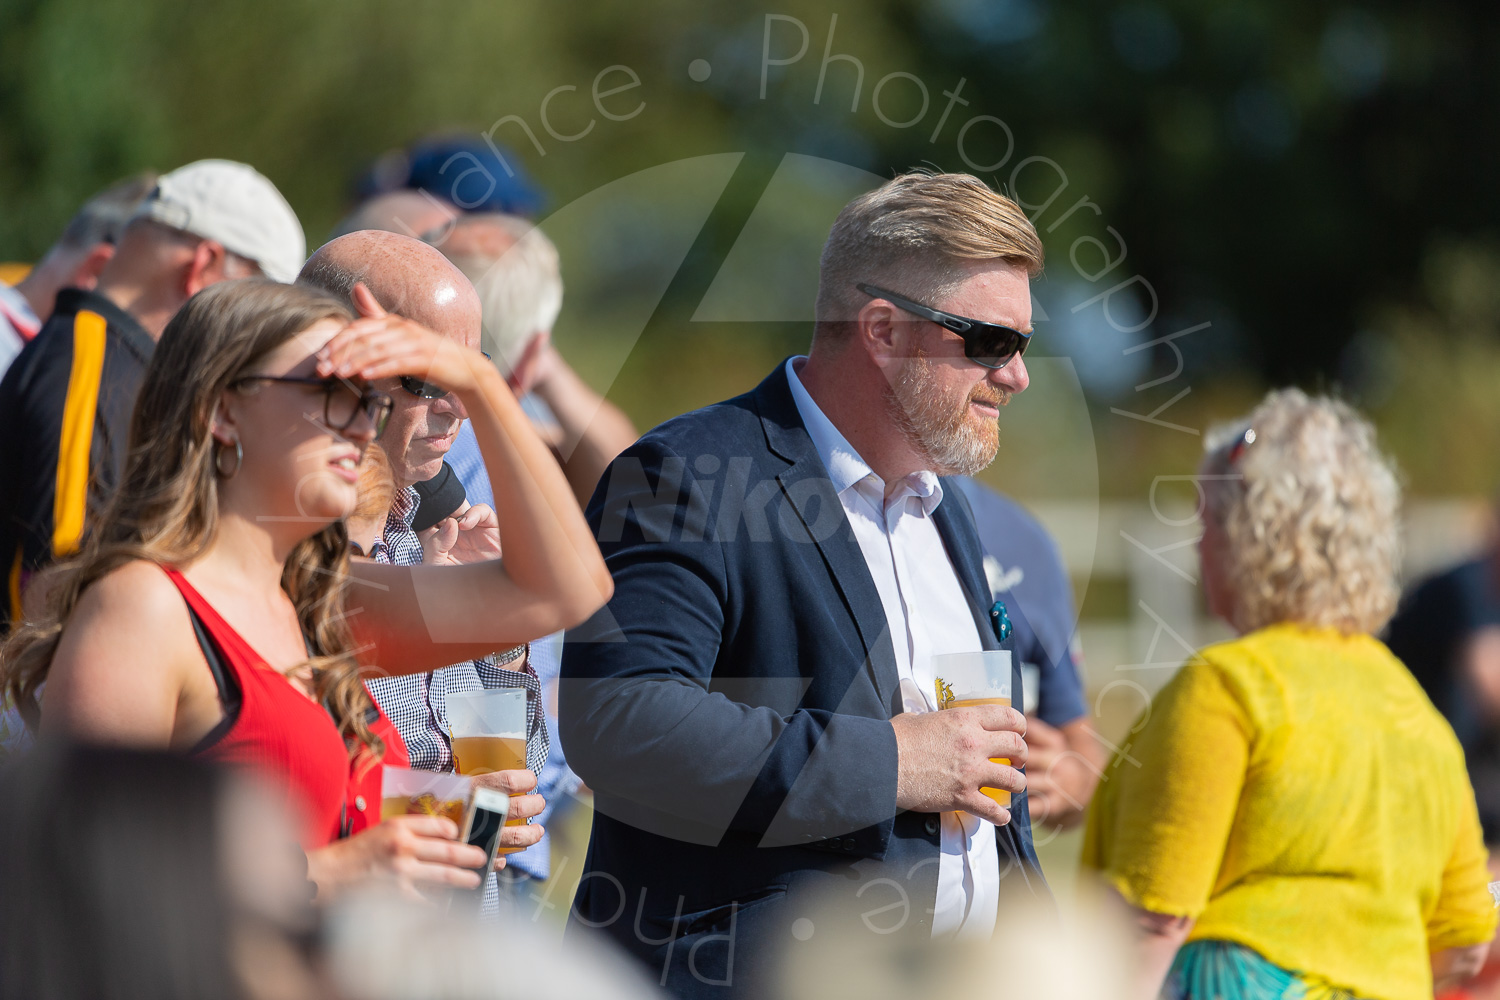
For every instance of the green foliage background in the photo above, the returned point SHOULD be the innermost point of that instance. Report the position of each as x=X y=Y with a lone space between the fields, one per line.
x=1315 y=179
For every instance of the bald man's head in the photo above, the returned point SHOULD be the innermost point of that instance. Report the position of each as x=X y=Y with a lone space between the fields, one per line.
x=414 y=280
x=408 y=277
x=401 y=211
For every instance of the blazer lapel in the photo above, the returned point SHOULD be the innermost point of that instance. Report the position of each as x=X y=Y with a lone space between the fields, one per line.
x=811 y=494
x=955 y=526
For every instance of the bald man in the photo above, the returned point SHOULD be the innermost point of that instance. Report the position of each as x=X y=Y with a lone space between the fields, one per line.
x=411 y=279
x=407 y=212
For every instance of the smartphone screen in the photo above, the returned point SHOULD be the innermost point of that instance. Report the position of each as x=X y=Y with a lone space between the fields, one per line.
x=486 y=820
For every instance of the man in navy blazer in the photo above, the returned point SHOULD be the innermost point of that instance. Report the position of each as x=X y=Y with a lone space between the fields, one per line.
x=753 y=708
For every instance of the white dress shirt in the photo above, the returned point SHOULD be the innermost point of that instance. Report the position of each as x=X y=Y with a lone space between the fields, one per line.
x=928 y=614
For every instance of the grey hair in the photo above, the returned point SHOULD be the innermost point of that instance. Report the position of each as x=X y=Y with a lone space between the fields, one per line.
x=324 y=271
x=103 y=218
x=520 y=291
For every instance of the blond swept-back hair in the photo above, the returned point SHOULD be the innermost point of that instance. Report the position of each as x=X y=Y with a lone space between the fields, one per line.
x=1310 y=511
x=911 y=235
x=517 y=273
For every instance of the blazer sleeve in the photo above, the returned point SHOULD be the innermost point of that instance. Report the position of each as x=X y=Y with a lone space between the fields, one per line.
x=641 y=720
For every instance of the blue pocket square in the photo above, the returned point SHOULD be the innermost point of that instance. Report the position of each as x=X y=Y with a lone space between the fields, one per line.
x=1001 y=620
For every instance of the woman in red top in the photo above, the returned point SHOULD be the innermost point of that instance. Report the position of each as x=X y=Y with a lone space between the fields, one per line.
x=225 y=542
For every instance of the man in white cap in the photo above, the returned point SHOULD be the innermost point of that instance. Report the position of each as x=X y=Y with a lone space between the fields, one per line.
x=65 y=402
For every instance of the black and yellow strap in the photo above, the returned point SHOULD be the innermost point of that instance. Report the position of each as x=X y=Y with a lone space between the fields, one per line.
x=70 y=505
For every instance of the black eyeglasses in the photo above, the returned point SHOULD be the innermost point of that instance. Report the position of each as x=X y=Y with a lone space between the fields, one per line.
x=988 y=344
x=427 y=390
x=343 y=400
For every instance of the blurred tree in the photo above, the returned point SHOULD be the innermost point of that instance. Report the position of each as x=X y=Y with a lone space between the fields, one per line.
x=1281 y=170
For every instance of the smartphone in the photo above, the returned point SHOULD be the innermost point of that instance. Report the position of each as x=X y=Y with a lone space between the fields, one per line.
x=486 y=820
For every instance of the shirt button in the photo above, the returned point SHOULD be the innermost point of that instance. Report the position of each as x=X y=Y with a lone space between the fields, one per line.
x=931 y=825
x=359 y=802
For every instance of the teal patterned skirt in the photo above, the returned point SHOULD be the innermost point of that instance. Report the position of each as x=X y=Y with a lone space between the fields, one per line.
x=1222 y=970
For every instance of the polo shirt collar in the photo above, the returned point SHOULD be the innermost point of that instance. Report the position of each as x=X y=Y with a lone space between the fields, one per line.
x=71 y=301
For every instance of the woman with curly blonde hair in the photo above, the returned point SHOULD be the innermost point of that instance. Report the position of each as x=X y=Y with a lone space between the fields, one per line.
x=1294 y=818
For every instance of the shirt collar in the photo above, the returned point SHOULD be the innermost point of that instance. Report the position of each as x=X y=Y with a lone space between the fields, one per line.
x=397 y=538
x=123 y=327
x=404 y=508
x=845 y=467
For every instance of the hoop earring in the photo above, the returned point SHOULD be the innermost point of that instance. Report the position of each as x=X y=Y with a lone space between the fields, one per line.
x=239 y=459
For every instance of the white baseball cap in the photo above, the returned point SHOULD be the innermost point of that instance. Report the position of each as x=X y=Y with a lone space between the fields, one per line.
x=231 y=204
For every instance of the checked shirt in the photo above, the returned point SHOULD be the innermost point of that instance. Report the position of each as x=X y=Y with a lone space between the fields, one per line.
x=416 y=703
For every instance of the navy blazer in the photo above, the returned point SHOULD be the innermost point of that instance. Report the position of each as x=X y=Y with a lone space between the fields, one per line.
x=730 y=705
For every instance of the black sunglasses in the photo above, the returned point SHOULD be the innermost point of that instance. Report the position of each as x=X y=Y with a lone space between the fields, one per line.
x=421 y=389
x=428 y=390
x=343 y=400
x=988 y=344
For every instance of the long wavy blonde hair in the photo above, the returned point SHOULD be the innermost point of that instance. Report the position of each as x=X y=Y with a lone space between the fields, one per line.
x=167 y=505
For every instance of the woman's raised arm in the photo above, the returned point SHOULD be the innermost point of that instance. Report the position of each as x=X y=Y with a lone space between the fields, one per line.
x=416 y=618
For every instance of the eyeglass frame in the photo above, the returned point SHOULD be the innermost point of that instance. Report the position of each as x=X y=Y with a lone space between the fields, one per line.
x=968 y=329
x=367 y=395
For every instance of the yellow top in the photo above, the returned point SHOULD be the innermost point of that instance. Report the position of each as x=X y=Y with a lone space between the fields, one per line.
x=1294 y=791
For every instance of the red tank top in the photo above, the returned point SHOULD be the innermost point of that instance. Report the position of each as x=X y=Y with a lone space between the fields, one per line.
x=285 y=735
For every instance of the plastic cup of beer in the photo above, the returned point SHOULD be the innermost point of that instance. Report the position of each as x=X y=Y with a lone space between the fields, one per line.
x=488 y=729
x=963 y=680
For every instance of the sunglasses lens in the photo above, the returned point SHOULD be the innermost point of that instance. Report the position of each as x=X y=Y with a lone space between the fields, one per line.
x=424 y=390
x=993 y=346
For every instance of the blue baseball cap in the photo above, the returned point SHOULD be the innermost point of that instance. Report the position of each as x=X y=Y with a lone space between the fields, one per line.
x=462 y=169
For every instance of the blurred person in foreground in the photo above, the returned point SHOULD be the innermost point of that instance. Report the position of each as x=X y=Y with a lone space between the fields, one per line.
x=412 y=278
x=1293 y=817
x=754 y=708
x=143 y=875
x=214 y=609
x=74 y=261
x=1033 y=956
x=515 y=269
x=382 y=948
x=1025 y=572
x=66 y=402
